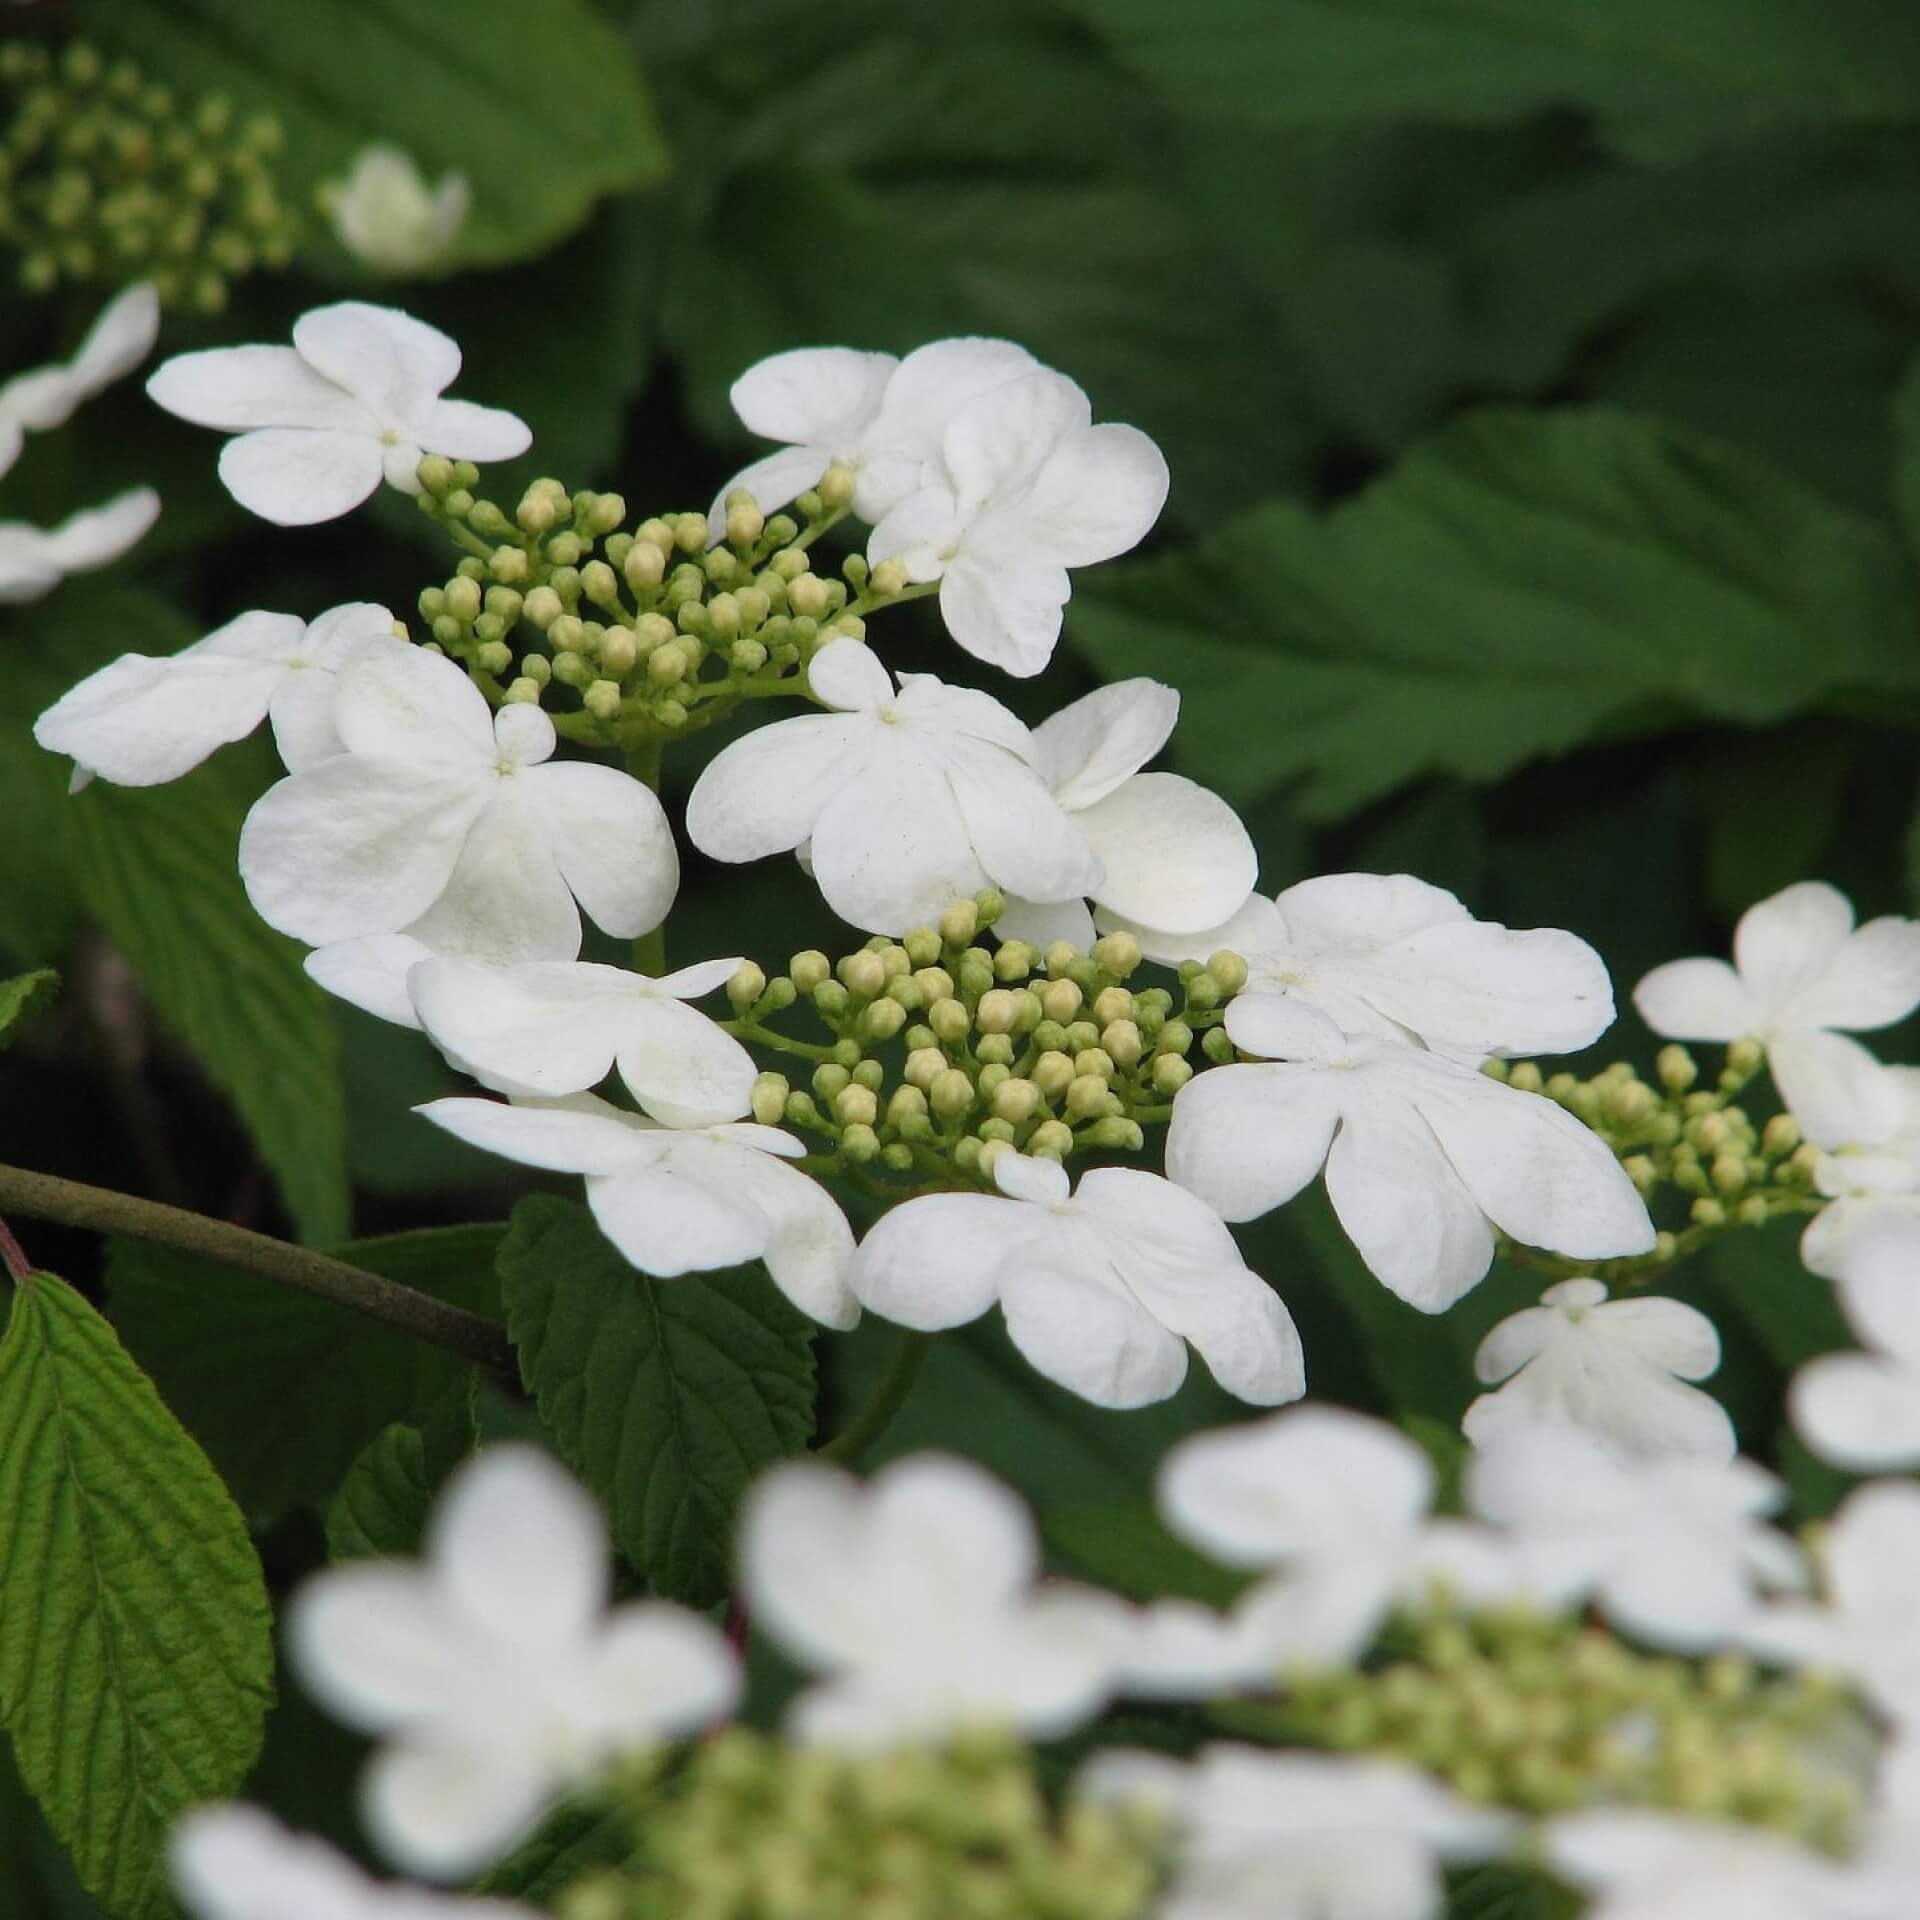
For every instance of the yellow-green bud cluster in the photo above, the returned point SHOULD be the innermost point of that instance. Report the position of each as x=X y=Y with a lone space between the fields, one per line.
x=107 y=177
x=1542 y=1714
x=754 y=1830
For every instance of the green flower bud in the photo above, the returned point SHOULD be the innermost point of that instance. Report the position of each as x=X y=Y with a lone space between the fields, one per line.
x=1118 y=954
x=807 y=594
x=572 y=670
x=810 y=969
x=924 y=1066
x=1121 y=1041
x=667 y=666
x=602 y=699
x=959 y=923
x=645 y=566
x=1217 y=1045
x=542 y=608
x=1087 y=1097
x=618 y=653
x=1015 y=1100
x=565 y=549
x=1095 y=1061
x=781 y=993
x=1228 y=969
x=1050 y=1037
x=1676 y=1068
x=836 y=487
x=1729 y=1172
x=463 y=599
x=494 y=657
x=1524 y=1077
x=746 y=984
x=1060 y=1000
x=831 y=999
x=1053 y=1073
x=1116 y=1134
x=1781 y=1136
x=1175 y=1037
x=950 y=1021
x=864 y=974
x=1111 y=1004
x=1744 y=1057
x=1051 y=1140
x=847 y=1053
x=855 y=1106
x=600 y=584
x=536 y=667
x=523 y=692
x=829 y=1078
x=883 y=1019
x=1170 y=1074
x=1629 y=1103
x=1060 y=956
x=906 y=1103
x=1013 y=960
x=858 y=1141
x=994 y=1049
x=951 y=1093
x=997 y=1012
x=769 y=1105
x=746 y=656
x=435 y=473
x=1707 y=1212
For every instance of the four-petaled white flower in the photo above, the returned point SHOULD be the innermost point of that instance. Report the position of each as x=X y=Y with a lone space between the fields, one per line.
x=913 y=1597
x=1424 y=1156
x=319 y=423
x=1616 y=1369
x=493 y=1671
x=910 y=800
x=880 y=417
x=1176 y=856
x=235 y=1862
x=1394 y=958
x=121 y=336
x=1803 y=978
x=1102 y=1289
x=1861 y=1411
x=385 y=213
x=680 y=1199
x=143 y=719
x=451 y=823
x=1873 y=1194
x=1025 y=487
x=1672 y=1550
x=1261 y=1835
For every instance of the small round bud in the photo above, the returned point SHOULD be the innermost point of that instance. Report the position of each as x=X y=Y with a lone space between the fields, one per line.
x=1016 y=1100
x=600 y=584
x=536 y=666
x=1676 y=1068
x=831 y=999
x=995 y=1073
x=463 y=598
x=1116 y=1133
x=1524 y=1077
x=1229 y=970
x=907 y=1103
x=1642 y=1172
x=1118 y=954
x=1053 y=1074
x=1111 y=1004
x=924 y=1066
x=1060 y=956
x=644 y=567
x=1050 y=1140
x=1013 y=960
x=1087 y=1097
x=1707 y=1212
x=1752 y=1211
x=524 y=692
x=1170 y=1074
x=618 y=653
x=508 y=565
x=894 y=956
x=494 y=657
x=1175 y=1037
x=801 y=1111
x=836 y=487
x=935 y=983
x=1744 y=1057
x=951 y=1093
x=1217 y=1045
x=602 y=699
x=1629 y=1103
x=746 y=984
x=888 y=578
x=809 y=969
x=1780 y=1136
x=864 y=974
x=950 y=1021
x=923 y=946
x=1060 y=1000
x=959 y=923
x=781 y=993
x=1121 y=1039
x=690 y=532
x=1203 y=991
x=997 y=1011
x=808 y=595
x=994 y=1046
x=858 y=1142
x=883 y=1019
x=870 y=1074
x=847 y=1053
x=1729 y=1172
x=855 y=1107
x=745 y=522
x=723 y=616
x=974 y=974
x=829 y=1077
x=1093 y=1060
x=542 y=608
x=769 y=1104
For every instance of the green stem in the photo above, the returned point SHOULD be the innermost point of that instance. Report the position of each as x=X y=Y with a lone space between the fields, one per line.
x=643 y=762
x=887 y=1398
x=753 y=1032
x=98 y=1209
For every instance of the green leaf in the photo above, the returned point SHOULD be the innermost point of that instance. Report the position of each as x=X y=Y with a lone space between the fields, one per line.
x=24 y=996
x=1906 y=474
x=666 y=1396
x=572 y=1842
x=1521 y=583
x=136 y=1650
x=156 y=867
x=383 y=1502
x=543 y=111
x=1662 y=79
x=284 y=1389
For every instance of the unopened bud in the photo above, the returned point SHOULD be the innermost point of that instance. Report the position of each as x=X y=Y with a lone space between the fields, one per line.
x=1629 y=1103
x=858 y=1141
x=746 y=984
x=1116 y=1133
x=1016 y=1100
x=463 y=598
x=888 y=578
x=997 y=1011
x=602 y=699
x=924 y=1066
x=1744 y=1057
x=1013 y=960
x=1217 y=1045
x=935 y=983
x=959 y=923
x=1676 y=1068
x=883 y=1019
x=1117 y=954
x=769 y=1103
x=435 y=473
x=855 y=1107
x=745 y=522
x=1053 y=1074
x=836 y=487
x=1121 y=1040
x=508 y=565
x=645 y=566
x=1060 y=1000
x=950 y=1021
x=907 y=1103
x=1780 y=1136
x=1174 y=1037
x=1093 y=1060
x=495 y=657
x=809 y=969
x=951 y=1093
x=1051 y=1140
x=524 y=692
x=1111 y=1004
x=1170 y=1074
x=807 y=595
x=1087 y=1096
x=1228 y=969
x=1707 y=1212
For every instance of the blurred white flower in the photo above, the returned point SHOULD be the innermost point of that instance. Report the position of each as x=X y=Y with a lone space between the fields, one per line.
x=446 y=821
x=385 y=213
x=1874 y=1192
x=1613 y=1368
x=143 y=719
x=913 y=1598
x=355 y=398
x=1262 y=1835
x=1175 y=854
x=120 y=338
x=680 y=1199
x=34 y=560
x=1025 y=487
x=1102 y=1289
x=1861 y=1411
x=1424 y=1156
x=909 y=800
x=1802 y=970
x=492 y=1671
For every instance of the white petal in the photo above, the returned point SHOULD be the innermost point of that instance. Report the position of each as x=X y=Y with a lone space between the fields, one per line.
x=658 y=1672
x=1022 y=836
x=1848 y=1231
x=505 y=899
x=96 y=536
x=998 y=441
x=1176 y=856
x=375 y=1644
x=463 y=431
x=121 y=336
x=936 y=1261
x=1364 y=909
x=764 y=792
x=296 y=477
x=370 y=973
x=26 y=572
x=609 y=837
x=696 y=981
x=1041 y=922
x=922 y=530
x=1031 y=1177
x=1515 y=1341
x=396 y=364
x=1874 y=980
x=1077 y=1327
x=809 y=1250
x=774 y=482
x=1087 y=749
x=1880 y=1297
x=1639 y=1411
x=399 y=702
x=923 y=395
x=140 y=721
x=817 y=396
x=445 y=1808
x=1665 y=1333
x=301 y=709
x=234 y=1862
x=1858 y=1411
x=846 y=673
x=681 y=1068
x=1787 y=943
x=1838 y=1092
x=549 y=1027
x=577 y=1135
x=334 y=637
x=1246 y=1139
x=1279 y=1027
x=668 y=1224
x=1099 y=492
x=933 y=708
x=240 y=388
x=1698 y=1000
x=1005 y=611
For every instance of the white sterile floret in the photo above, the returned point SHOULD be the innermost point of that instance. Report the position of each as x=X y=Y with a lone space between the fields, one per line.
x=1861 y=1411
x=122 y=335
x=1424 y=1156
x=1863 y=1630
x=236 y=1862
x=680 y=1199
x=356 y=398
x=1672 y=1550
x=1873 y=1192
x=1803 y=978
x=910 y=799
x=1102 y=1289
x=1397 y=959
x=879 y=417
x=385 y=213
x=492 y=1670
x=34 y=560
x=1263 y=1835
x=913 y=1598
x=143 y=719
x=443 y=820
x=1175 y=854
x=1616 y=1369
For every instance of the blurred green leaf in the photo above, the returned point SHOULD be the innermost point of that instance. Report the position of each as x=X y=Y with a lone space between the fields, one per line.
x=283 y=1389
x=1518 y=585
x=1906 y=472
x=1126 y=1546
x=24 y=996
x=570 y=1845
x=136 y=1648
x=665 y=1396
x=543 y=111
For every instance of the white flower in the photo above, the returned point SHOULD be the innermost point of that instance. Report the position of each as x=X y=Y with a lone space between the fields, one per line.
x=451 y=823
x=385 y=213
x=492 y=1670
x=1861 y=1411
x=1175 y=855
x=1874 y=1193
x=1024 y=488
x=1870 y=1566
x=1671 y=1549
x=143 y=719
x=1801 y=970
x=356 y=397
x=1424 y=1157
x=1390 y=956
x=680 y=1199
x=910 y=800
x=120 y=338
x=34 y=560
x=1613 y=1368
x=1261 y=1835
x=236 y=1862
x=883 y=418
x=913 y=1597
x=1102 y=1289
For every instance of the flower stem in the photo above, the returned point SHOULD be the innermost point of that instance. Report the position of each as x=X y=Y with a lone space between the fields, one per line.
x=45 y=1197
x=887 y=1398
x=643 y=762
